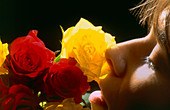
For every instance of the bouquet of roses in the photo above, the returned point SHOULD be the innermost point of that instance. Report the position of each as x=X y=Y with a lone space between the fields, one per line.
x=33 y=78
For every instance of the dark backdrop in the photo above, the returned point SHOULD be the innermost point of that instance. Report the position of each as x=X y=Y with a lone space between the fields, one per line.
x=17 y=17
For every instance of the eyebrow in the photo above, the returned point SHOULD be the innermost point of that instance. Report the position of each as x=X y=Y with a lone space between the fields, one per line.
x=163 y=34
x=161 y=37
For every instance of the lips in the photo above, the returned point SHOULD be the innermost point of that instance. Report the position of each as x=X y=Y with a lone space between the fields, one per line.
x=97 y=101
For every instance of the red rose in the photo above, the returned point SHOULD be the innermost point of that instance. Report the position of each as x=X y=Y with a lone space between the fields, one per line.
x=29 y=59
x=65 y=80
x=3 y=89
x=20 y=97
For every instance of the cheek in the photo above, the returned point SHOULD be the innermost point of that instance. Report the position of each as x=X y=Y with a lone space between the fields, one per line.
x=110 y=87
x=141 y=77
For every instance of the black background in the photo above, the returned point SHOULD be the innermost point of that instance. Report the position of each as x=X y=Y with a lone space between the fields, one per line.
x=18 y=17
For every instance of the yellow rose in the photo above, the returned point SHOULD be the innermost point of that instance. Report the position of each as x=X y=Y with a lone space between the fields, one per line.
x=3 y=53
x=67 y=104
x=87 y=44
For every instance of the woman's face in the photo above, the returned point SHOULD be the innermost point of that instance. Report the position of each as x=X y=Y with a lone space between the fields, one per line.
x=140 y=78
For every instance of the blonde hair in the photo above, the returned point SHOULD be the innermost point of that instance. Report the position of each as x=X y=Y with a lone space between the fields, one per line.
x=149 y=12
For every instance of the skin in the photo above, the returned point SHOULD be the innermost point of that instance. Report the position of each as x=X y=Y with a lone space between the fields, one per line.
x=133 y=85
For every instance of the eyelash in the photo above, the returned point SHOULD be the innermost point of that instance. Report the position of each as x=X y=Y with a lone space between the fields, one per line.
x=148 y=61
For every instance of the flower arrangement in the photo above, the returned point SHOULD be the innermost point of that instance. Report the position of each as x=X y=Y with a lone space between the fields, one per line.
x=31 y=77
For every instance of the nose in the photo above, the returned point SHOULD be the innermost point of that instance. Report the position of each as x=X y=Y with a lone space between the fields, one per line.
x=115 y=58
x=131 y=52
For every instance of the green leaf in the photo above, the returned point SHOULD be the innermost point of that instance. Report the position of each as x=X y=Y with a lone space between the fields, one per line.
x=86 y=101
x=57 y=59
